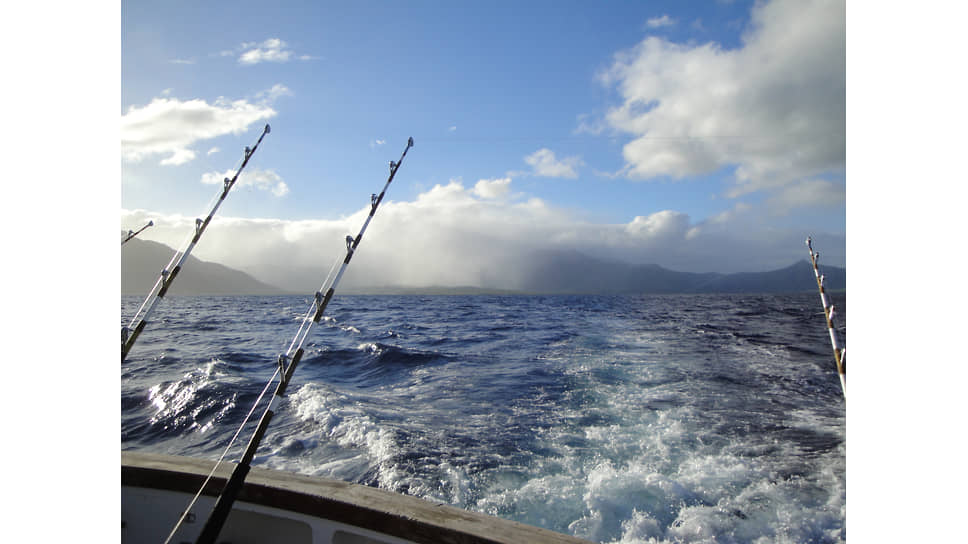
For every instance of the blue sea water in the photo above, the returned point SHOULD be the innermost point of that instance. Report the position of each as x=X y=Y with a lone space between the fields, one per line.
x=674 y=418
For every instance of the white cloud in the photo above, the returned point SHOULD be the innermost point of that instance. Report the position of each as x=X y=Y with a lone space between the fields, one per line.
x=774 y=108
x=213 y=150
x=274 y=93
x=492 y=188
x=658 y=22
x=588 y=124
x=803 y=194
x=179 y=156
x=271 y=50
x=457 y=235
x=660 y=225
x=169 y=126
x=376 y=143
x=544 y=163
x=731 y=214
x=263 y=180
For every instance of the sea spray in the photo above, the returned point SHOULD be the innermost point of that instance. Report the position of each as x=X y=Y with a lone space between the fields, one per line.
x=620 y=419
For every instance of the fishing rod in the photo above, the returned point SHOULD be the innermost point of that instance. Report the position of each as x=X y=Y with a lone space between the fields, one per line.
x=840 y=353
x=131 y=332
x=132 y=234
x=287 y=366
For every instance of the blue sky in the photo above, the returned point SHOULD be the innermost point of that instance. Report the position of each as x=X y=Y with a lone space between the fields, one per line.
x=701 y=136
x=68 y=73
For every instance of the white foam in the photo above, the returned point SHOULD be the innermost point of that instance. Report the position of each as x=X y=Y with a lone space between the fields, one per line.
x=636 y=458
x=456 y=484
x=662 y=476
x=369 y=347
x=173 y=402
x=545 y=501
x=344 y=424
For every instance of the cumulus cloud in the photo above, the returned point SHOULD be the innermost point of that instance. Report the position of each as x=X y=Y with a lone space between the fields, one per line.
x=169 y=126
x=544 y=163
x=492 y=188
x=666 y=224
x=808 y=193
x=774 y=108
x=179 y=156
x=276 y=91
x=454 y=235
x=726 y=216
x=263 y=180
x=658 y=22
x=271 y=50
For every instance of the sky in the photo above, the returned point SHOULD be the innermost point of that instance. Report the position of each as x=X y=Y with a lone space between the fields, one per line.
x=379 y=79
x=699 y=136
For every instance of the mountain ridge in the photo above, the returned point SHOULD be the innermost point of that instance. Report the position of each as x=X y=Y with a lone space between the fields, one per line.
x=573 y=272
x=143 y=260
x=548 y=272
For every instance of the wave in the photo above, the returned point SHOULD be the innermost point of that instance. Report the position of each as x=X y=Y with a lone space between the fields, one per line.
x=617 y=419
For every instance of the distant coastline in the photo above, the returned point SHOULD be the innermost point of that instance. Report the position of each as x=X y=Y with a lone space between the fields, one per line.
x=551 y=273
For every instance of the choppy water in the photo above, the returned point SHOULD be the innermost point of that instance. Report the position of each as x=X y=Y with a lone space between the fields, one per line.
x=697 y=418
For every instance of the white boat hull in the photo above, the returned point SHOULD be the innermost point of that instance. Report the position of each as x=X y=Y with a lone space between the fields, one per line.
x=276 y=506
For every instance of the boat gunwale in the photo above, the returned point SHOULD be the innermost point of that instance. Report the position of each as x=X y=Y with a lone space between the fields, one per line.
x=370 y=508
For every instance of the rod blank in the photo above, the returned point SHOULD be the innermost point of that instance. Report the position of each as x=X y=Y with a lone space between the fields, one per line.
x=287 y=365
x=132 y=234
x=840 y=353
x=130 y=333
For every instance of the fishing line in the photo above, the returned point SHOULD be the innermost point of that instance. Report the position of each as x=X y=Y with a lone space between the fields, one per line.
x=494 y=140
x=188 y=509
x=287 y=365
x=307 y=321
x=130 y=333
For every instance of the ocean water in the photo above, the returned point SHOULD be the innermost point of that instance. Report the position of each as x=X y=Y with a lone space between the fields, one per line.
x=676 y=418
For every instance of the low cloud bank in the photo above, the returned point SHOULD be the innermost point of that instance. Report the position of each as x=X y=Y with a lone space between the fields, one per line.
x=484 y=236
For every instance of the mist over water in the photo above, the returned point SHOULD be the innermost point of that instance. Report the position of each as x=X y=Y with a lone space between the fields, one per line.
x=627 y=419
